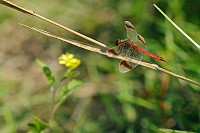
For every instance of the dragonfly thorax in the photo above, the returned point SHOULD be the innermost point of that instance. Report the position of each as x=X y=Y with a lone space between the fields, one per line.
x=123 y=47
x=127 y=44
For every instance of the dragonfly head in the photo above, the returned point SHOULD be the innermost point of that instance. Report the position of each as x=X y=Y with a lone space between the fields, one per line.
x=117 y=42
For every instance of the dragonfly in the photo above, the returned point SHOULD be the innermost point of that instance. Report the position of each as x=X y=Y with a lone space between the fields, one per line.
x=134 y=47
x=130 y=58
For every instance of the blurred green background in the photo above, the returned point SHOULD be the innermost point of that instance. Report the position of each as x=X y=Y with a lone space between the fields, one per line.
x=140 y=101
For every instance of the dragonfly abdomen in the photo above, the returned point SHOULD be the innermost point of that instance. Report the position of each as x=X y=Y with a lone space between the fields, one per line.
x=149 y=54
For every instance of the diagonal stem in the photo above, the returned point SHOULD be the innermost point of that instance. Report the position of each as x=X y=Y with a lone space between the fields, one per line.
x=53 y=104
x=188 y=37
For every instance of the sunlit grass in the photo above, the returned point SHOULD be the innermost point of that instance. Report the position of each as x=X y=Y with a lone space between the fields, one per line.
x=188 y=37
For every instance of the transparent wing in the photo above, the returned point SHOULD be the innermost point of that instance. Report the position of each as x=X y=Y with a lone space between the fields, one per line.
x=131 y=31
x=125 y=66
x=140 y=42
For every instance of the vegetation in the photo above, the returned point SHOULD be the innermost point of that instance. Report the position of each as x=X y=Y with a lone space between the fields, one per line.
x=95 y=96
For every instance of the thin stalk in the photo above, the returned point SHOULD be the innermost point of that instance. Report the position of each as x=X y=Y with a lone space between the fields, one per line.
x=53 y=105
x=176 y=26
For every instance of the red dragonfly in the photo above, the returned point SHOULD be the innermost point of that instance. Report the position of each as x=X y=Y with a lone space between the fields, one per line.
x=130 y=51
x=133 y=47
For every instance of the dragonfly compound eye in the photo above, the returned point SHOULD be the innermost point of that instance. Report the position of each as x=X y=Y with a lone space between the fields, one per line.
x=117 y=42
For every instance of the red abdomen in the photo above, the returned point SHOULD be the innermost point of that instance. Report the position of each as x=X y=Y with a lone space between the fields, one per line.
x=149 y=54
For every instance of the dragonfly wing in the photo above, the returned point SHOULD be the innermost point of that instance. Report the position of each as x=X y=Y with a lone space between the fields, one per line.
x=131 y=31
x=125 y=66
x=140 y=42
x=117 y=50
x=134 y=37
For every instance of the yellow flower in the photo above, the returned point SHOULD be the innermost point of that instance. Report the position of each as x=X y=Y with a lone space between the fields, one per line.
x=69 y=61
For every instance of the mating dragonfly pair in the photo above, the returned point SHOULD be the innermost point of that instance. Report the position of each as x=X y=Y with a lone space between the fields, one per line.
x=130 y=51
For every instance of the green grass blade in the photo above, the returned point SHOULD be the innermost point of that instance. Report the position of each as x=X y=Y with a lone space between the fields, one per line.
x=172 y=131
x=196 y=44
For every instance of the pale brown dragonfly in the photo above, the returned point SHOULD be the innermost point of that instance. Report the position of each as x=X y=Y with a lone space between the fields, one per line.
x=105 y=50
